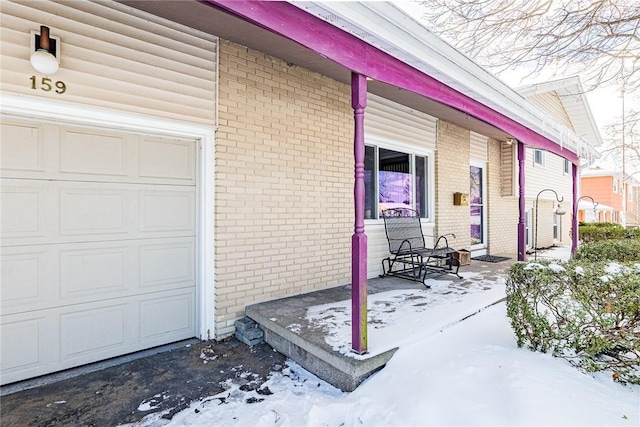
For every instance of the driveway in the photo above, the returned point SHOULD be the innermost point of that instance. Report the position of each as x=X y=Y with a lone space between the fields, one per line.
x=128 y=392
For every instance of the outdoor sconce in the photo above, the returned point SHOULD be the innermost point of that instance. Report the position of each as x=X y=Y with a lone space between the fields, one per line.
x=510 y=141
x=44 y=58
x=558 y=211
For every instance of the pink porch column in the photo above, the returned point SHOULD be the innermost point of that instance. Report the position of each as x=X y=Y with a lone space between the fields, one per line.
x=359 y=239
x=522 y=226
x=574 y=220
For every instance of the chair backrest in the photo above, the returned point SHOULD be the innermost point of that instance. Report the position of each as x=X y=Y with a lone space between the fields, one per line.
x=404 y=230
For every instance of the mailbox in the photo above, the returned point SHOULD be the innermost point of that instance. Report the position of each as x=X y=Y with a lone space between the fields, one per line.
x=460 y=199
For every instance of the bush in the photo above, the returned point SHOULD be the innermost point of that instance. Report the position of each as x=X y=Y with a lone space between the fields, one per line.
x=612 y=250
x=588 y=314
x=600 y=231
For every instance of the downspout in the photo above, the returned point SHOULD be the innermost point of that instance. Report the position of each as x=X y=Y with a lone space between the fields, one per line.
x=522 y=226
x=359 y=238
x=574 y=225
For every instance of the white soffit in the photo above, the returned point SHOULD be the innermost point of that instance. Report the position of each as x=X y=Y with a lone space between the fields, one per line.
x=388 y=28
x=573 y=96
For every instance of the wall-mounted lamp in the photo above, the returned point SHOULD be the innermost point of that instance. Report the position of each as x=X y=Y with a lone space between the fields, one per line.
x=44 y=59
x=558 y=211
x=510 y=141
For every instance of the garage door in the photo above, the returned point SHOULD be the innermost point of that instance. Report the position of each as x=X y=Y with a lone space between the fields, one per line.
x=98 y=245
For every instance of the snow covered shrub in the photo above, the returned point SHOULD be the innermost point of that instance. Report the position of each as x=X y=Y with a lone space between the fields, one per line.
x=588 y=314
x=618 y=250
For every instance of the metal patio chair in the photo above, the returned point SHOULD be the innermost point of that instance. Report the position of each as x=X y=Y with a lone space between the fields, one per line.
x=410 y=257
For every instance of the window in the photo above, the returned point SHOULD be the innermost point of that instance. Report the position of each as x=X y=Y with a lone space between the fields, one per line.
x=527 y=222
x=615 y=185
x=538 y=157
x=557 y=227
x=630 y=194
x=395 y=179
x=567 y=167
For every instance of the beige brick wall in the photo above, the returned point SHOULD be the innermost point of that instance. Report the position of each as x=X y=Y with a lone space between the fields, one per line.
x=502 y=211
x=284 y=180
x=452 y=176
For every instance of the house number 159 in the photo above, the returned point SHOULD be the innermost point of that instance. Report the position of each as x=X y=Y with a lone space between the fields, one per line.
x=47 y=85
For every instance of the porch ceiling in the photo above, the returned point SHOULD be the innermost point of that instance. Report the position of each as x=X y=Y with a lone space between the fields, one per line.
x=208 y=19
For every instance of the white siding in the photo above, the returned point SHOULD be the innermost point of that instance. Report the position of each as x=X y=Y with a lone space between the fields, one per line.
x=398 y=123
x=395 y=123
x=550 y=175
x=508 y=169
x=551 y=103
x=478 y=148
x=114 y=56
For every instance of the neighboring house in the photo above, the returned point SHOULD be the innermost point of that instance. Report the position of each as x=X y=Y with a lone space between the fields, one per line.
x=616 y=197
x=565 y=100
x=190 y=158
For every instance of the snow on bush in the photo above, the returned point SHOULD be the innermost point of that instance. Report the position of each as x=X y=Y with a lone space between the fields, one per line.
x=588 y=313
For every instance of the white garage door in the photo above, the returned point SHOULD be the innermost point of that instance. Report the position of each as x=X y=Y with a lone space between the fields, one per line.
x=98 y=245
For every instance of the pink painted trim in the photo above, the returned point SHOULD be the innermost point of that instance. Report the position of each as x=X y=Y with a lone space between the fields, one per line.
x=522 y=220
x=360 y=57
x=574 y=220
x=359 y=239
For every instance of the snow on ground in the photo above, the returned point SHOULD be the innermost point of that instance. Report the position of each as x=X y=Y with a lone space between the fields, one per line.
x=445 y=373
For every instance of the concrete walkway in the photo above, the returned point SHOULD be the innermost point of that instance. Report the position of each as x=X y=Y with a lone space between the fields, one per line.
x=288 y=329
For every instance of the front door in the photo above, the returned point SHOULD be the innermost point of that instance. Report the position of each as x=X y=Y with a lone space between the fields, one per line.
x=477 y=210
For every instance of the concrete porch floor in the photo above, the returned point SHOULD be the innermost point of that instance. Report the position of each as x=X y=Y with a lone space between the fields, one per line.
x=288 y=330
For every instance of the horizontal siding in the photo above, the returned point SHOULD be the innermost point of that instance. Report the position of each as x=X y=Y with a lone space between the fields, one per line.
x=478 y=149
x=378 y=247
x=114 y=56
x=398 y=123
x=550 y=175
x=551 y=103
x=508 y=169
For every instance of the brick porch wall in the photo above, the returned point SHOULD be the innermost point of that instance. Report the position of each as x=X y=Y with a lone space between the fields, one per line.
x=452 y=176
x=284 y=182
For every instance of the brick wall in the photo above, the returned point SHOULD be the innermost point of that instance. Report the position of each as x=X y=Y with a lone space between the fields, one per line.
x=452 y=176
x=284 y=182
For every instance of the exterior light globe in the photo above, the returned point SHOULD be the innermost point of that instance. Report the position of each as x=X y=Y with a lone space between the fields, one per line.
x=44 y=62
x=560 y=210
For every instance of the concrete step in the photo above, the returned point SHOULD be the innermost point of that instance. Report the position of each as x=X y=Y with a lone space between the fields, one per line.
x=286 y=330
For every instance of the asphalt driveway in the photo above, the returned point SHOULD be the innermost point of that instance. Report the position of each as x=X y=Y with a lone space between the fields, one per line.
x=126 y=393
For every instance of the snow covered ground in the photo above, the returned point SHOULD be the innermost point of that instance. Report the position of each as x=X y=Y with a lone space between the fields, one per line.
x=446 y=373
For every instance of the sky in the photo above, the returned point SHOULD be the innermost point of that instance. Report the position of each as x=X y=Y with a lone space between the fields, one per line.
x=446 y=372
x=605 y=103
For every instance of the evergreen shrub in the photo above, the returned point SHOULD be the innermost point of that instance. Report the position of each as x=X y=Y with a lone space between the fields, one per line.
x=585 y=312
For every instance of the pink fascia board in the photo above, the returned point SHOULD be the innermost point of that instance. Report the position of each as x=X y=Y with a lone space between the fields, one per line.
x=358 y=56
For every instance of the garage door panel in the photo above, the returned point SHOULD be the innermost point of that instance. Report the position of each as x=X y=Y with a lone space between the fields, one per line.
x=22 y=347
x=41 y=212
x=23 y=211
x=22 y=279
x=93 y=211
x=93 y=153
x=22 y=344
x=167 y=264
x=167 y=318
x=90 y=333
x=22 y=147
x=69 y=153
x=96 y=272
x=167 y=158
x=167 y=211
